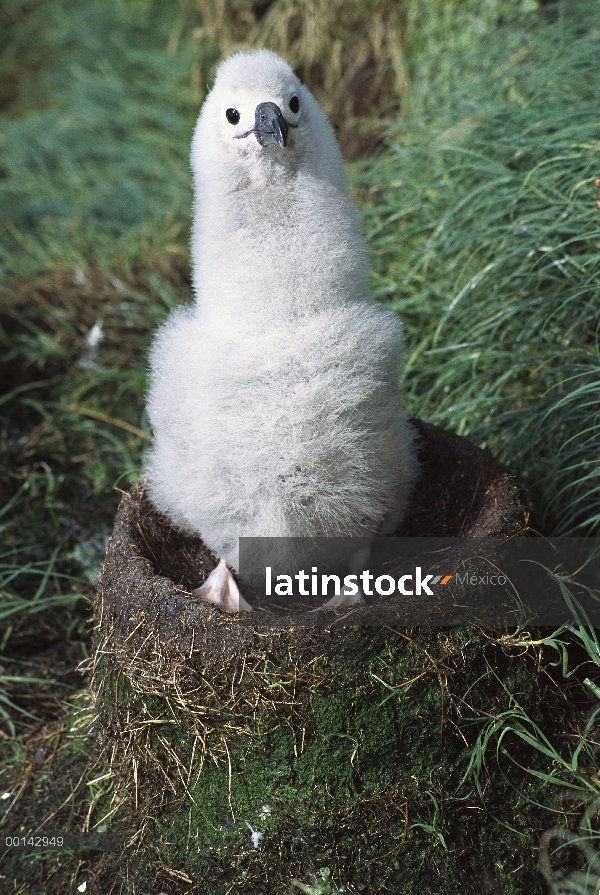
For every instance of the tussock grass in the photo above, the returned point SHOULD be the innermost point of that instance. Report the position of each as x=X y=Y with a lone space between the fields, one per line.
x=94 y=140
x=94 y=192
x=355 y=57
x=485 y=237
x=351 y=54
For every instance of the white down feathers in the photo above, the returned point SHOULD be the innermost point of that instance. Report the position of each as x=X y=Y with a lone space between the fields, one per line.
x=274 y=398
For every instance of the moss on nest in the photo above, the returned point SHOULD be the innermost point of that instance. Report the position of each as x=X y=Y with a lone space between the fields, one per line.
x=332 y=775
x=166 y=643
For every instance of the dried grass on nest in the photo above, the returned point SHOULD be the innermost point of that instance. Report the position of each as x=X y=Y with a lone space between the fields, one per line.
x=154 y=640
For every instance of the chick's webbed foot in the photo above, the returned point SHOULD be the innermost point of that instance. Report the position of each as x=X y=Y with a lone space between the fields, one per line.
x=349 y=596
x=220 y=588
x=345 y=598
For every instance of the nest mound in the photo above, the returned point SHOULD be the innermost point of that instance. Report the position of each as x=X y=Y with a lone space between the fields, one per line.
x=145 y=610
x=249 y=707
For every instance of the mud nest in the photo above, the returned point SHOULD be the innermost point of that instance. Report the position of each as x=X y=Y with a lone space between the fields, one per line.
x=225 y=716
x=150 y=627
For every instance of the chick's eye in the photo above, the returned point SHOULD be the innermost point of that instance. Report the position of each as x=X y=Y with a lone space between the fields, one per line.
x=294 y=104
x=232 y=115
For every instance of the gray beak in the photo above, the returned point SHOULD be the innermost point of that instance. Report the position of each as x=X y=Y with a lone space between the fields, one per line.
x=269 y=125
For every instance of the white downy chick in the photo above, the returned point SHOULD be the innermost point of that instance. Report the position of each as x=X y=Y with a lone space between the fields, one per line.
x=274 y=398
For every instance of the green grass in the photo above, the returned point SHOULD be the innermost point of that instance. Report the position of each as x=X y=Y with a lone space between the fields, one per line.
x=95 y=137
x=485 y=238
x=94 y=191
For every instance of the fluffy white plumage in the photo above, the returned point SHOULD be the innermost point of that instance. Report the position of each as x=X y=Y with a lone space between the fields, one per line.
x=274 y=398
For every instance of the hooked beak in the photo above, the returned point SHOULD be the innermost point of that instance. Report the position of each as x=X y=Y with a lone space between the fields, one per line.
x=269 y=125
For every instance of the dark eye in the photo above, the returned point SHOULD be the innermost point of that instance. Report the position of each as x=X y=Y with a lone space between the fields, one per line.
x=294 y=104
x=232 y=115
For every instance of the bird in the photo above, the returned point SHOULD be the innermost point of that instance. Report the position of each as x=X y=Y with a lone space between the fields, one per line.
x=273 y=396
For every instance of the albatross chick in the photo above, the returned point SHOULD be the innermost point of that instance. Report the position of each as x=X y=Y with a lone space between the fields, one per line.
x=274 y=397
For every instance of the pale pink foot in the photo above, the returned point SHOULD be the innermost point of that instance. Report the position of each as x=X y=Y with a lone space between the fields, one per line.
x=346 y=597
x=221 y=589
